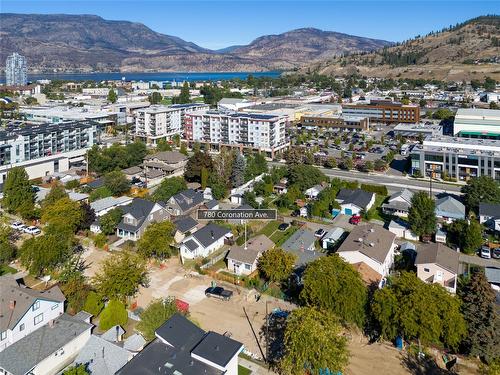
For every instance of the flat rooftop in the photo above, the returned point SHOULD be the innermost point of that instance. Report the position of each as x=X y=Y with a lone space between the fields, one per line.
x=15 y=129
x=73 y=113
x=477 y=114
x=465 y=146
x=251 y=116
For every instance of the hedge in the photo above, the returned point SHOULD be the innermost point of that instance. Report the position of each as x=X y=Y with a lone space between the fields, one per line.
x=377 y=189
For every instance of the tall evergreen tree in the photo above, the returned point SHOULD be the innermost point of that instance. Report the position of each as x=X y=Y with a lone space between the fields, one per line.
x=18 y=192
x=238 y=172
x=422 y=216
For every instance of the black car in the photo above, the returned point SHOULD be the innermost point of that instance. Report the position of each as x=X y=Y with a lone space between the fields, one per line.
x=283 y=226
x=219 y=292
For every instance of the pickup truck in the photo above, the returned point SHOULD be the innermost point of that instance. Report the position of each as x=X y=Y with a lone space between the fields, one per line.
x=219 y=292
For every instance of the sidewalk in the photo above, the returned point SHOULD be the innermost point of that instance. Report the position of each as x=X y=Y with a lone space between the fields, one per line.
x=255 y=368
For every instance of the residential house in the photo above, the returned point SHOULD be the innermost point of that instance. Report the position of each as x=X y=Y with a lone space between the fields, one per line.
x=133 y=173
x=302 y=244
x=440 y=235
x=354 y=201
x=402 y=229
x=185 y=226
x=181 y=347
x=104 y=205
x=449 y=209
x=370 y=244
x=41 y=194
x=489 y=215
x=212 y=205
x=242 y=260
x=24 y=310
x=48 y=349
x=281 y=187
x=399 y=203
x=169 y=163
x=204 y=241
x=313 y=192
x=137 y=216
x=437 y=263
x=332 y=237
x=185 y=202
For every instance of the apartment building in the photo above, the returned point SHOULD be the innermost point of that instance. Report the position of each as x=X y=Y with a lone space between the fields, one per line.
x=262 y=132
x=58 y=114
x=477 y=123
x=16 y=70
x=43 y=149
x=460 y=158
x=336 y=122
x=385 y=111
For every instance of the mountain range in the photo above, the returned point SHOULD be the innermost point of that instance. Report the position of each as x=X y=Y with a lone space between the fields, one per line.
x=72 y=43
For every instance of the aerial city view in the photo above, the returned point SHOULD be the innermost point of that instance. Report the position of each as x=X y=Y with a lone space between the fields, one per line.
x=249 y=187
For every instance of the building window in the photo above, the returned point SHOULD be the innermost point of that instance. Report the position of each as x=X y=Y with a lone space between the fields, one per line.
x=55 y=306
x=36 y=305
x=426 y=270
x=3 y=335
x=38 y=319
x=21 y=327
x=248 y=266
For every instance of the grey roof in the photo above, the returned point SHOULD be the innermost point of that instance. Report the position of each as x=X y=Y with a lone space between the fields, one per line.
x=371 y=240
x=102 y=357
x=134 y=343
x=108 y=202
x=397 y=205
x=139 y=209
x=169 y=157
x=439 y=254
x=489 y=209
x=298 y=243
x=255 y=246
x=357 y=197
x=185 y=224
x=217 y=348
x=404 y=194
x=449 y=206
x=333 y=234
x=211 y=204
x=82 y=315
x=492 y=274
x=188 y=199
x=97 y=183
x=132 y=170
x=210 y=233
x=113 y=334
x=180 y=332
x=405 y=246
x=20 y=357
x=23 y=297
x=191 y=245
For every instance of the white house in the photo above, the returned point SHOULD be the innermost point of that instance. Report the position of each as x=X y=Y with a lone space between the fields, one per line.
x=489 y=214
x=25 y=310
x=353 y=202
x=313 y=192
x=370 y=244
x=243 y=261
x=204 y=241
x=402 y=230
x=399 y=203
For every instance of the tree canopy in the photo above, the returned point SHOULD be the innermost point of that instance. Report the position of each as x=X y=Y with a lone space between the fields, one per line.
x=169 y=187
x=422 y=215
x=195 y=164
x=238 y=171
x=116 y=157
x=18 y=194
x=116 y=182
x=313 y=341
x=64 y=214
x=467 y=235
x=330 y=283
x=305 y=176
x=417 y=310
x=276 y=264
x=480 y=189
x=113 y=314
x=110 y=220
x=153 y=316
x=156 y=241
x=112 y=97
x=56 y=192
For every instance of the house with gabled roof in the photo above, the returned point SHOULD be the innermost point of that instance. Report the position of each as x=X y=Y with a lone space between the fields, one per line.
x=204 y=241
x=449 y=209
x=24 y=310
x=137 y=216
x=242 y=260
x=185 y=202
x=185 y=226
x=489 y=215
x=399 y=203
x=437 y=263
x=168 y=163
x=354 y=201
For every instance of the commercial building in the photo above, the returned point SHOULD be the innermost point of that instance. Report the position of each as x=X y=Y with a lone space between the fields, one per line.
x=252 y=131
x=16 y=70
x=385 y=111
x=459 y=158
x=336 y=122
x=58 y=114
x=43 y=149
x=418 y=130
x=163 y=122
x=477 y=123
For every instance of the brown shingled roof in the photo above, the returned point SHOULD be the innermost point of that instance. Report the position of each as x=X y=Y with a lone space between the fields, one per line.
x=439 y=254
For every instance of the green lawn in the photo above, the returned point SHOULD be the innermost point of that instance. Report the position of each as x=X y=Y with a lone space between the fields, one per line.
x=270 y=228
x=5 y=269
x=243 y=370
x=378 y=215
x=279 y=237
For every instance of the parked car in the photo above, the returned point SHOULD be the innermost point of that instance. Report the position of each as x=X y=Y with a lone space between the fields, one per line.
x=219 y=292
x=485 y=252
x=355 y=220
x=32 y=230
x=320 y=233
x=495 y=253
x=283 y=226
x=18 y=225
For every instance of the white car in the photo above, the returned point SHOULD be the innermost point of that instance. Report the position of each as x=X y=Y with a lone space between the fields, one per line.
x=18 y=225
x=32 y=230
x=485 y=252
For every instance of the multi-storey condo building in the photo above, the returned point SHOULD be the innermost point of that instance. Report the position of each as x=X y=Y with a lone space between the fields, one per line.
x=16 y=70
x=383 y=111
x=263 y=132
x=459 y=158
x=42 y=149
x=477 y=123
x=58 y=114
x=163 y=122
x=336 y=122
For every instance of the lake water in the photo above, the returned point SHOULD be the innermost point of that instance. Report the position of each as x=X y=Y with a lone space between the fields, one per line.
x=166 y=76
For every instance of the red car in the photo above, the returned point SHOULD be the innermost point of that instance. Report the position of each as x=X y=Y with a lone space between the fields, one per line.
x=355 y=219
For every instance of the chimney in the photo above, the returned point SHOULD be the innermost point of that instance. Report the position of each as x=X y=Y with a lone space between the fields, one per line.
x=118 y=333
x=103 y=352
x=12 y=304
x=212 y=234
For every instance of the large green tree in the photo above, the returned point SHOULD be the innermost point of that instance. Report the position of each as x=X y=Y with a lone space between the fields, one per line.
x=417 y=310
x=110 y=220
x=155 y=98
x=305 y=176
x=153 y=316
x=116 y=182
x=56 y=192
x=113 y=314
x=238 y=171
x=156 y=241
x=184 y=96
x=467 y=235
x=332 y=284
x=121 y=275
x=313 y=342
x=112 y=96
x=18 y=194
x=168 y=188
x=480 y=189
x=422 y=215
x=63 y=213
x=195 y=164
x=276 y=264
x=482 y=317
x=7 y=249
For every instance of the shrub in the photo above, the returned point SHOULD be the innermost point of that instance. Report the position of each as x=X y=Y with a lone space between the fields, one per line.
x=113 y=314
x=377 y=189
x=100 y=240
x=93 y=304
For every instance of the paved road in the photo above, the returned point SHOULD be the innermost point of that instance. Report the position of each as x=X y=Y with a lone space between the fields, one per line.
x=393 y=183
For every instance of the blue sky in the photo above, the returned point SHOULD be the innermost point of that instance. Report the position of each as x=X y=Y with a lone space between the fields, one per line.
x=218 y=24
